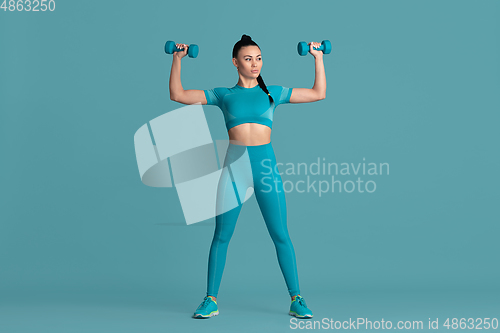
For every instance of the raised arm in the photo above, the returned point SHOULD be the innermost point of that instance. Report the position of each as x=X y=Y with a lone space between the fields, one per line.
x=318 y=91
x=177 y=93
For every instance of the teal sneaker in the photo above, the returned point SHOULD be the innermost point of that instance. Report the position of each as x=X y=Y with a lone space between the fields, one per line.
x=299 y=308
x=207 y=308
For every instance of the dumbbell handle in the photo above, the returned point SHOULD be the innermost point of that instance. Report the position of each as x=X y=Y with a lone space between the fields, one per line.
x=321 y=48
x=178 y=50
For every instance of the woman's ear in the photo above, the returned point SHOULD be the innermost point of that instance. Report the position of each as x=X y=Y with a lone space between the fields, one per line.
x=235 y=62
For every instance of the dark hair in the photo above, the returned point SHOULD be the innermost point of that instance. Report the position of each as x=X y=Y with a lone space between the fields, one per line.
x=246 y=41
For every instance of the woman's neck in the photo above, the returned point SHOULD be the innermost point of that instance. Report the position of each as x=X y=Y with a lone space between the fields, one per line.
x=247 y=83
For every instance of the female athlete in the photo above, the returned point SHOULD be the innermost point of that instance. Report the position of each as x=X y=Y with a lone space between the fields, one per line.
x=248 y=109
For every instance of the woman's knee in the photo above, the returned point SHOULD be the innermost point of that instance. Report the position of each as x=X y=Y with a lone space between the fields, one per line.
x=222 y=237
x=281 y=238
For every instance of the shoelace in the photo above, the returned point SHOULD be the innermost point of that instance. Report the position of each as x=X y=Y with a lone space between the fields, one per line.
x=205 y=303
x=301 y=301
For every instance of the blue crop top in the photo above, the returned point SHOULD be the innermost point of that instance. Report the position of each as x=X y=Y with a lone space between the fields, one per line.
x=248 y=105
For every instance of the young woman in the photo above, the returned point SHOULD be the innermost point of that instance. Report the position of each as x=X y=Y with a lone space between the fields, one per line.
x=248 y=112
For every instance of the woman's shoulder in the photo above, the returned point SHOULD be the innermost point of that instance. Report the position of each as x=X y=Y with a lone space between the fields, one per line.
x=217 y=92
x=277 y=90
x=275 y=87
x=219 y=89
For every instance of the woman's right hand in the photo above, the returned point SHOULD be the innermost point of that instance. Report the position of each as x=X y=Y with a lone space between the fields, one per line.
x=181 y=54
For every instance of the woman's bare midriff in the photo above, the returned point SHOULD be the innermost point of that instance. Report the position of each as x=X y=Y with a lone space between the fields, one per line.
x=250 y=134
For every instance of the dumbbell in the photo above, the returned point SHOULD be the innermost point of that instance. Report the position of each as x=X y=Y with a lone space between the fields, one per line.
x=303 y=48
x=170 y=48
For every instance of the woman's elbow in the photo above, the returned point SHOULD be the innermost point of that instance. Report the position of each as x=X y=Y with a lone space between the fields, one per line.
x=174 y=97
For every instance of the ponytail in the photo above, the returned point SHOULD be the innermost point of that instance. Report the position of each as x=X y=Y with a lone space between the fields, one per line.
x=264 y=87
x=246 y=41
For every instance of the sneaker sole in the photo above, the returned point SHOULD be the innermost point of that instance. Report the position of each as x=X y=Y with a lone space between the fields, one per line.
x=214 y=313
x=298 y=316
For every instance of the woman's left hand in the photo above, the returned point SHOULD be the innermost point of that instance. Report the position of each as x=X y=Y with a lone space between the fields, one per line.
x=315 y=53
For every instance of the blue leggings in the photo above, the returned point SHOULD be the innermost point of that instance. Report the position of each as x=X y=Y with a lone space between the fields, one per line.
x=261 y=174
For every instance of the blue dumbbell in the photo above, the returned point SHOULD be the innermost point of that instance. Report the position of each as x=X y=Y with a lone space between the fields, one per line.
x=170 y=48
x=303 y=48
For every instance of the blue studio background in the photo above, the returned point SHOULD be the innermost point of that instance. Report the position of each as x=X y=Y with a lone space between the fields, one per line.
x=85 y=246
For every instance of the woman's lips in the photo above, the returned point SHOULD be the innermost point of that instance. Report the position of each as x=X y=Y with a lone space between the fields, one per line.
x=255 y=71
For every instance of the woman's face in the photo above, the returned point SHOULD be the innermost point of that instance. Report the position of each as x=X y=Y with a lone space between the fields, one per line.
x=249 y=62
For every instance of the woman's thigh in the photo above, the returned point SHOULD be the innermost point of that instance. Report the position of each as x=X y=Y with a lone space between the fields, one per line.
x=270 y=196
